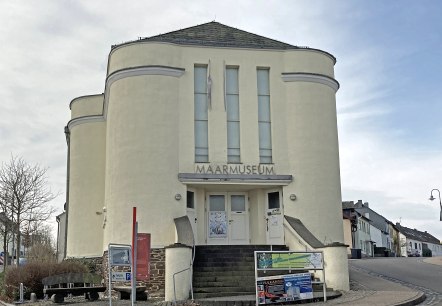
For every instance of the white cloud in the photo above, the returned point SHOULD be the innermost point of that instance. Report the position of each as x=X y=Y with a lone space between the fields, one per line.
x=57 y=50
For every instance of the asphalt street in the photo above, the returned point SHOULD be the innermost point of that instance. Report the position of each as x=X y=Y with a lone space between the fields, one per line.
x=412 y=270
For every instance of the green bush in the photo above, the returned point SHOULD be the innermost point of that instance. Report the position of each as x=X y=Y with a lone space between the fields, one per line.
x=32 y=274
x=88 y=263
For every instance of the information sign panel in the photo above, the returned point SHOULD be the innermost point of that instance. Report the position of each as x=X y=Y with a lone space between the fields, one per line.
x=119 y=255
x=287 y=260
x=284 y=288
x=121 y=276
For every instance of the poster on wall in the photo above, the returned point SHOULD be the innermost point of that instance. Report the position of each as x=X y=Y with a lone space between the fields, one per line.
x=286 y=260
x=217 y=224
x=284 y=288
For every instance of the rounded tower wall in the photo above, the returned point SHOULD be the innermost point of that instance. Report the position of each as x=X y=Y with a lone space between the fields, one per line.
x=87 y=106
x=86 y=189
x=140 y=54
x=313 y=155
x=142 y=158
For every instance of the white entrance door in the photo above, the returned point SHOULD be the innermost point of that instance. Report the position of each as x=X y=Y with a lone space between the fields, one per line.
x=274 y=218
x=191 y=213
x=228 y=218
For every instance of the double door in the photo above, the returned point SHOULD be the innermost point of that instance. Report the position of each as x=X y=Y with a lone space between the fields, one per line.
x=227 y=218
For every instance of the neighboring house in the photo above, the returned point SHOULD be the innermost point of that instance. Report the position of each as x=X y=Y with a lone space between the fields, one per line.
x=382 y=245
x=5 y=222
x=377 y=236
x=365 y=242
x=357 y=231
x=394 y=239
x=350 y=225
x=414 y=242
x=211 y=124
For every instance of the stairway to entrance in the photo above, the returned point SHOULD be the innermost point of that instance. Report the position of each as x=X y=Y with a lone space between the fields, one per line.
x=226 y=270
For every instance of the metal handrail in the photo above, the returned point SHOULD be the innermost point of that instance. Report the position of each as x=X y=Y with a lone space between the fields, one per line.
x=190 y=279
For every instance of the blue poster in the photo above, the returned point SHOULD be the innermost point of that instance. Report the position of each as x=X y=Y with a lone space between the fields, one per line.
x=298 y=286
x=284 y=288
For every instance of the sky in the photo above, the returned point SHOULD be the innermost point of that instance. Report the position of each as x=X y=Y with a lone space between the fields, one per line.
x=389 y=63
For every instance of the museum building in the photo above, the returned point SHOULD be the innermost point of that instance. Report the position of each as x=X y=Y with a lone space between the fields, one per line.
x=213 y=133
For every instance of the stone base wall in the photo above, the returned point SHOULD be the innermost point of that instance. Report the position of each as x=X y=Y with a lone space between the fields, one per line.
x=155 y=286
x=157 y=282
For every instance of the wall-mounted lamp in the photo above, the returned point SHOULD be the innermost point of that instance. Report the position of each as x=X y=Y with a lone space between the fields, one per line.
x=293 y=197
x=177 y=197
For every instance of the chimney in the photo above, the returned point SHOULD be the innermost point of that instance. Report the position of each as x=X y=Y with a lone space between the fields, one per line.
x=366 y=204
x=359 y=203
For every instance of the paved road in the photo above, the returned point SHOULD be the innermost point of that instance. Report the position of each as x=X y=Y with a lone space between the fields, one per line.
x=412 y=272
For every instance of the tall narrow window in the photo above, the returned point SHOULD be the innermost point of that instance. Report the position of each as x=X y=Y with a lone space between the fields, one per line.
x=232 y=110
x=264 y=121
x=201 y=115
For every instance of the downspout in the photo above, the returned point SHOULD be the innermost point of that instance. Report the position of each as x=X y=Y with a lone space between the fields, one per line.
x=66 y=205
x=57 y=218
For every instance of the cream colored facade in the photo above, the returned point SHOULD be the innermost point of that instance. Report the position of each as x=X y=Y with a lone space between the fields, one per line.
x=134 y=145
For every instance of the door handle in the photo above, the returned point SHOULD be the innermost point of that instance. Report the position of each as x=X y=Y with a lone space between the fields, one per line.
x=267 y=223
x=195 y=220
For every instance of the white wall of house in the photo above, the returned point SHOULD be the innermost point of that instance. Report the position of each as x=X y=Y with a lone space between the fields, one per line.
x=436 y=249
x=376 y=236
x=364 y=237
x=413 y=247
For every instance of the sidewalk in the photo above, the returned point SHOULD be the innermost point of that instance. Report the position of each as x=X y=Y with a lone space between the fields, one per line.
x=371 y=290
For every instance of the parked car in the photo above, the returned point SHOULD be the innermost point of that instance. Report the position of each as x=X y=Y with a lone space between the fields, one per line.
x=413 y=253
x=22 y=261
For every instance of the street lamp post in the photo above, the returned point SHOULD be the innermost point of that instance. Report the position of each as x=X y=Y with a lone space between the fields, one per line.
x=440 y=202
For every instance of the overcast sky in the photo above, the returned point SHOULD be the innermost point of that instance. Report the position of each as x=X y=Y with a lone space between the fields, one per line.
x=389 y=63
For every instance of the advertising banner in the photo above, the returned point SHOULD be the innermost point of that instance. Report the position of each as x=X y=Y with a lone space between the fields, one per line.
x=287 y=260
x=284 y=288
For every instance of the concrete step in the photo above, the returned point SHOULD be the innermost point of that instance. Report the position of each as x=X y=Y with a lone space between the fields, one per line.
x=226 y=283
x=248 y=289
x=198 y=273
x=222 y=278
x=238 y=269
x=198 y=296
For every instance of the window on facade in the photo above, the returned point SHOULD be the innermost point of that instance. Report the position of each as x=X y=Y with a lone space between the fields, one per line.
x=190 y=200
x=201 y=115
x=273 y=198
x=232 y=110
x=411 y=244
x=415 y=245
x=264 y=118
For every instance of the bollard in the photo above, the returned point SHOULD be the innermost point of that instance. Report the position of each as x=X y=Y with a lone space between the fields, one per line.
x=33 y=297
x=21 y=293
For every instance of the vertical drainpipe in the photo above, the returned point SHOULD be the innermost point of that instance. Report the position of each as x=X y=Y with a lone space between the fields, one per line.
x=57 y=218
x=66 y=205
